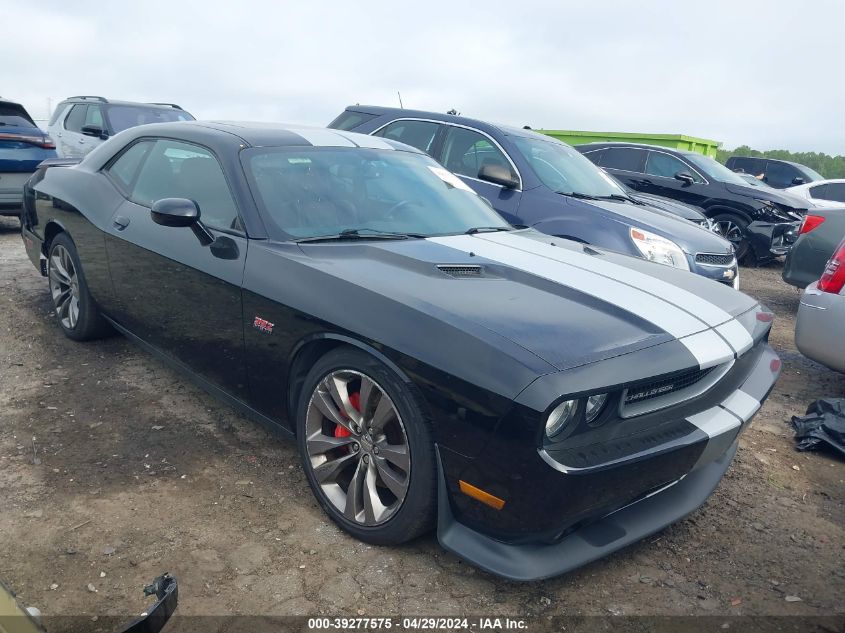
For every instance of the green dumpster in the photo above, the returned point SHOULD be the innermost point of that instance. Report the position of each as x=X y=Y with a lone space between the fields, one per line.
x=675 y=141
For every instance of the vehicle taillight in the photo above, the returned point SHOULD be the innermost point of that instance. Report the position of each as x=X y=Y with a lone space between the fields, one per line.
x=41 y=141
x=833 y=277
x=809 y=223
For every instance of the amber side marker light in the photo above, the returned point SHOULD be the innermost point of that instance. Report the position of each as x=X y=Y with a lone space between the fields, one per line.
x=479 y=495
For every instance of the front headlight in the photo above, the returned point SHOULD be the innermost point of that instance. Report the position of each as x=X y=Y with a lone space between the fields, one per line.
x=561 y=417
x=658 y=249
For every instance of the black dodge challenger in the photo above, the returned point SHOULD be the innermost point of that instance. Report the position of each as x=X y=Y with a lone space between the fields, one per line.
x=542 y=402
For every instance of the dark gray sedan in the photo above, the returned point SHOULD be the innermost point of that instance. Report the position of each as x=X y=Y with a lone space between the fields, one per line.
x=820 y=232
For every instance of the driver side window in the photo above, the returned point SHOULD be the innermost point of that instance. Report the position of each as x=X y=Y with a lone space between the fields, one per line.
x=666 y=166
x=173 y=169
x=465 y=152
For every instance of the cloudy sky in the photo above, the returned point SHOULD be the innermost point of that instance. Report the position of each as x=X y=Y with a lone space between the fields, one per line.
x=761 y=73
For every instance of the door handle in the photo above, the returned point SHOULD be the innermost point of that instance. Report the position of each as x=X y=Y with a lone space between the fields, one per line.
x=120 y=222
x=82 y=140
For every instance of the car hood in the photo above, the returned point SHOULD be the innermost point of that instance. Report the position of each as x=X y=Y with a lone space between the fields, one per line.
x=564 y=302
x=773 y=195
x=690 y=237
x=669 y=206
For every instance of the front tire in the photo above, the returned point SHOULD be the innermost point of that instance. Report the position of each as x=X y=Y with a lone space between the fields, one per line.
x=77 y=314
x=735 y=229
x=366 y=448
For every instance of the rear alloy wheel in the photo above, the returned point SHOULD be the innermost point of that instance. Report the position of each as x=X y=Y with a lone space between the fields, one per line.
x=734 y=229
x=76 y=311
x=366 y=448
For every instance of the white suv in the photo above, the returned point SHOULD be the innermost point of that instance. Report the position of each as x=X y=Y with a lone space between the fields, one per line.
x=81 y=123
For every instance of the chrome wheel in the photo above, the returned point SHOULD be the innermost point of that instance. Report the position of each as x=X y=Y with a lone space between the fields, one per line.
x=729 y=231
x=357 y=447
x=64 y=286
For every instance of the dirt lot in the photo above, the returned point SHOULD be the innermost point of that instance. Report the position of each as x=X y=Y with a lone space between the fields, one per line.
x=138 y=472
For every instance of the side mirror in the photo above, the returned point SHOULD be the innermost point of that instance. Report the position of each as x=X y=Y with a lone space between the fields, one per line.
x=181 y=212
x=798 y=180
x=175 y=212
x=498 y=175
x=94 y=130
x=685 y=177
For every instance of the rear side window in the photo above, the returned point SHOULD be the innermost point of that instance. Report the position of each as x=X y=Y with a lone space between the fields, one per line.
x=76 y=119
x=126 y=166
x=61 y=110
x=14 y=114
x=836 y=191
x=624 y=158
x=174 y=169
x=595 y=156
x=349 y=120
x=419 y=134
x=747 y=165
x=819 y=192
x=465 y=152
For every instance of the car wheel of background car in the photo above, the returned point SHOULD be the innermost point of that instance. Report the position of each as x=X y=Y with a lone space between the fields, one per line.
x=77 y=314
x=734 y=229
x=367 y=448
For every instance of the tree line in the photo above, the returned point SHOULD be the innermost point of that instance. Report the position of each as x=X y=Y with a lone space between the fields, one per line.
x=827 y=166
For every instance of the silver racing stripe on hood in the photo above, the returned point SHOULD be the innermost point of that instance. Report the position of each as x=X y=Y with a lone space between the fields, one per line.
x=685 y=316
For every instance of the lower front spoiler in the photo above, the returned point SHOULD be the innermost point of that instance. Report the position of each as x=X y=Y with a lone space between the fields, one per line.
x=628 y=525
x=772 y=239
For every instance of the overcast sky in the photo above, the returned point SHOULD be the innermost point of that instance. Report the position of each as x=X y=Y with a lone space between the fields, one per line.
x=766 y=74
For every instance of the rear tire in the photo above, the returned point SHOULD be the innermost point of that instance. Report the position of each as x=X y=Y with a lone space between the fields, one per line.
x=367 y=448
x=76 y=312
x=735 y=229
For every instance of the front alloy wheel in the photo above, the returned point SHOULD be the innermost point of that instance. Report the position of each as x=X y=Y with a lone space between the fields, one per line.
x=367 y=447
x=357 y=447
x=734 y=229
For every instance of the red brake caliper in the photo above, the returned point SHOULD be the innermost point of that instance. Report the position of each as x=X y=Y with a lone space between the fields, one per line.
x=355 y=401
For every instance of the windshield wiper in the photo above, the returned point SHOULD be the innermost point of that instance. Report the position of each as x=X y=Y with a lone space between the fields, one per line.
x=360 y=234
x=620 y=197
x=577 y=194
x=486 y=229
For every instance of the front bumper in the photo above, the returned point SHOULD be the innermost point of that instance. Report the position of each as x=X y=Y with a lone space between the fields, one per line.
x=772 y=239
x=818 y=327
x=728 y=275
x=557 y=518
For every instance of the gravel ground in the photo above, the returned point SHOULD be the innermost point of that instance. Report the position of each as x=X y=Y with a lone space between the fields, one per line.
x=138 y=472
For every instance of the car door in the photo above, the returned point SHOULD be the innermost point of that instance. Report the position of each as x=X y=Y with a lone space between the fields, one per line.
x=171 y=291
x=71 y=141
x=626 y=163
x=659 y=178
x=464 y=151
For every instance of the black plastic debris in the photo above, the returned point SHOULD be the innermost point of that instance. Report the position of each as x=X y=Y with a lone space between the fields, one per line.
x=824 y=424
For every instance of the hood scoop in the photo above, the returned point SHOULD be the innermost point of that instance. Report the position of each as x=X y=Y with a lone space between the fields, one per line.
x=461 y=271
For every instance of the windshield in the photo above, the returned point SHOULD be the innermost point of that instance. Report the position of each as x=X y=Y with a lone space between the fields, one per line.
x=123 y=117
x=715 y=170
x=324 y=191
x=812 y=173
x=563 y=169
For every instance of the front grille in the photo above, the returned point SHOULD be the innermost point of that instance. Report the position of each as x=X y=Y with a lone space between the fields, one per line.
x=714 y=259
x=460 y=270
x=663 y=387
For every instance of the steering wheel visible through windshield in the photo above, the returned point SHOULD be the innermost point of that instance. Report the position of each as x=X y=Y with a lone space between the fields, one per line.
x=309 y=192
x=564 y=170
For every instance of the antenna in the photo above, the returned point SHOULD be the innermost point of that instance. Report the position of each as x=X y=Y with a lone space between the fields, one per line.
x=400 y=99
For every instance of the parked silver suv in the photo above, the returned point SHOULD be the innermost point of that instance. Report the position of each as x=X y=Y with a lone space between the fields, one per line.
x=79 y=124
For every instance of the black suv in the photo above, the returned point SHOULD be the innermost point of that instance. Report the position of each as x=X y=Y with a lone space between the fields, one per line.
x=779 y=174
x=761 y=224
